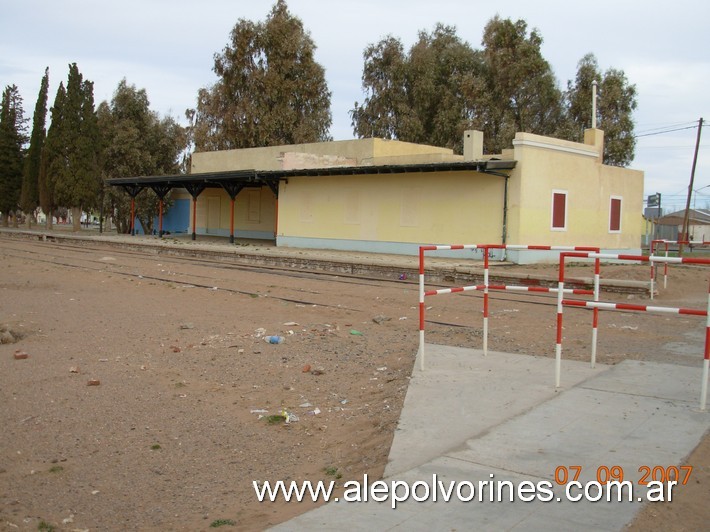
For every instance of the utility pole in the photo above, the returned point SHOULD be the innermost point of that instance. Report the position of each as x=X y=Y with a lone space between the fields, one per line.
x=686 y=219
x=594 y=104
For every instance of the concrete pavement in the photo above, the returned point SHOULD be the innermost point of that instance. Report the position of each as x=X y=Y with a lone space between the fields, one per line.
x=470 y=418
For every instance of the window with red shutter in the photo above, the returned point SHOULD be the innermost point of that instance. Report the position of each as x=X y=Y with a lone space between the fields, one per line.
x=559 y=210
x=615 y=215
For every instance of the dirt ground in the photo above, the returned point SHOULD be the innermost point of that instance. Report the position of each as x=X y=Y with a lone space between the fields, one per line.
x=176 y=429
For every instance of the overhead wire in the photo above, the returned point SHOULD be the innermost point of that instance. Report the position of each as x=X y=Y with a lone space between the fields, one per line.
x=665 y=131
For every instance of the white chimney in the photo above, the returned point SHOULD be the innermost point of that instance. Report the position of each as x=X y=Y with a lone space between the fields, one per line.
x=472 y=145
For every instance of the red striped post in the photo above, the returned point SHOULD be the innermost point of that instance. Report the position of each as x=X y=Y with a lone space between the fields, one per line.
x=595 y=312
x=558 y=344
x=421 y=305
x=654 y=266
x=485 y=301
x=706 y=359
x=647 y=308
x=665 y=270
x=560 y=307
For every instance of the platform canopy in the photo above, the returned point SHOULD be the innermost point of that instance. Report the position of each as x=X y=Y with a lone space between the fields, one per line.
x=241 y=178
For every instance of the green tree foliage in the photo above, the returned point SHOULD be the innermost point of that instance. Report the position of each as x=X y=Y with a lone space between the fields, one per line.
x=615 y=105
x=12 y=140
x=29 y=198
x=52 y=159
x=73 y=166
x=419 y=96
x=270 y=90
x=137 y=142
x=384 y=80
x=521 y=90
x=442 y=87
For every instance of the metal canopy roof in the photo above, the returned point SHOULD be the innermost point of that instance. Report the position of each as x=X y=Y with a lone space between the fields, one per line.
x=271 y=177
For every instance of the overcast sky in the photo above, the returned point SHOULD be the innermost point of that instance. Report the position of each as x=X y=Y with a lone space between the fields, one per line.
x=167 y=48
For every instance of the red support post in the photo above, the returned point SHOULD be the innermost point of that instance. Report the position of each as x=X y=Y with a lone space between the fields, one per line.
x=276 y=217
x=160 y=218
x=194 y=218
x=133 y=216
x=231 y=222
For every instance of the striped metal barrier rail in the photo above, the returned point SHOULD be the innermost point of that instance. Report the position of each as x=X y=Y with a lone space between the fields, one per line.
x=599 y=305
x=486 y=286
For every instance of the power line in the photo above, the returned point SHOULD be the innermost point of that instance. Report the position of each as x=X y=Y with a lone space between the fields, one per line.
x=678 y=147
x=667 y=126
x=665 y=131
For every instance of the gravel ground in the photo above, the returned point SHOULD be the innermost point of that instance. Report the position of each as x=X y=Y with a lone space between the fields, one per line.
x=145 y=397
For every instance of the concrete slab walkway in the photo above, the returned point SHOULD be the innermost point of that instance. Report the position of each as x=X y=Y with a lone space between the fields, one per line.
x=470 y=419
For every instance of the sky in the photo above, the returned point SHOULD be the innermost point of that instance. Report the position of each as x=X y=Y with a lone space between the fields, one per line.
x=167 y=46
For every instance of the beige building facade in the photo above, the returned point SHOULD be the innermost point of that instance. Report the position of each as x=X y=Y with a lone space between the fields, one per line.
x=386 y=196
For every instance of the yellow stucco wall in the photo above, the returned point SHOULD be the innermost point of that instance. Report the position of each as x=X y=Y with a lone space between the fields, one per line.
x=447 y=207
x=546 y=164
x=438 y=207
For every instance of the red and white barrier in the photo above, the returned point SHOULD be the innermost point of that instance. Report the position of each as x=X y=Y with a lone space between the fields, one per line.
x=637 y=308
x=654 y=266
x=486 y=287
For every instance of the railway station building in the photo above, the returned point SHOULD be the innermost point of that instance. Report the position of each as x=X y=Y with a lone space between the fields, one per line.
x=387 y=196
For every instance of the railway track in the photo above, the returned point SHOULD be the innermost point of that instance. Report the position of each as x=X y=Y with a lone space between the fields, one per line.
x=128 y=263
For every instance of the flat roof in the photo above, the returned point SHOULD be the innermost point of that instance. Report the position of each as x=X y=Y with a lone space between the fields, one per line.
x=270 y=177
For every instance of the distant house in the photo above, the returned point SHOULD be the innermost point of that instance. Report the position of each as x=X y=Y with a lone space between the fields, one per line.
x=668 y=227
x=377 y=195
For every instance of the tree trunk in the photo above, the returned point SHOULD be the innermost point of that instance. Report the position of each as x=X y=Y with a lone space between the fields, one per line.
x=50 y=221
x=147 y=225
x=76 y=218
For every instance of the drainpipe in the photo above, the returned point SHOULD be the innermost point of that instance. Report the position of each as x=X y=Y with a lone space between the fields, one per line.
x=505 y=217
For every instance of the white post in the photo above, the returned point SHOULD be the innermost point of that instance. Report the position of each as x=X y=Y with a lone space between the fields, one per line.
x=594 y=104
x=421 y=350
x=558 y=346
x=706 y=360
x=704 y=387
x=485 y=309
x=421 y=321
x=595 y=328
x=665 y=271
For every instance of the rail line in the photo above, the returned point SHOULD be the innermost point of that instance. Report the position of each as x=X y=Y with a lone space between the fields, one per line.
x=539 y=299
x=104 y=268
x=288 y=272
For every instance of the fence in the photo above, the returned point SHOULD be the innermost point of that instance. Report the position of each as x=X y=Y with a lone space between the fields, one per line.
x=486 y=286
x=654 y=267
x=561 y=302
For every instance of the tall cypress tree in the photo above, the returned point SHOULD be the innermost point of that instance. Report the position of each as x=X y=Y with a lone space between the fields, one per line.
x=12 y=139
x=29 y=197
x=77 y=184
x=52 y=162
